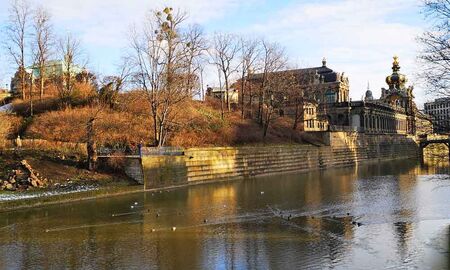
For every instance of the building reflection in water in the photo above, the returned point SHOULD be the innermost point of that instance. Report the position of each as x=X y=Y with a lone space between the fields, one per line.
x=434 y=166
x=230 y=225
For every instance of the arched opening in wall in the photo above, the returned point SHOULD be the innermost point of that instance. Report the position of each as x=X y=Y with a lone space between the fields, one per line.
x=329 y=119
x=340 y=119
x=356 y=120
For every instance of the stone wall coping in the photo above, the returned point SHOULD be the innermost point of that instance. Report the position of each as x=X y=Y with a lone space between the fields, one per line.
x=146 y=150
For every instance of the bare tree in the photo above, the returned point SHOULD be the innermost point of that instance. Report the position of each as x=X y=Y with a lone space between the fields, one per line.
x=299 y=94
x=201 y=71
x=273 y=60
x=224 y=53
x=436 y=47
x=249 y=53
x=16 y=37
x=219 y=74
x=42 y=44
x=196 y=46
x=278 y=86
x=111 y=86
x=70 y=51
x=163 y=58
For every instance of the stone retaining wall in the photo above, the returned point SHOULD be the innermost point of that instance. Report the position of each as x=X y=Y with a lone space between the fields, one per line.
x=130 y=165
x=196 y=165
x=133 y=169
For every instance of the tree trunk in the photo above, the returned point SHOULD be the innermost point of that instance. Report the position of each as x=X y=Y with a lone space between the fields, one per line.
x=250 y=102
x=161 y=134
x=41 y=86
x=31 y=95
x=296 y=117
x=22 y=83
x=155 y=128
x=221 y=104
x=261 y=109
x=91 y=146
x=242 y=96
x=227 y=94
x=266 y=125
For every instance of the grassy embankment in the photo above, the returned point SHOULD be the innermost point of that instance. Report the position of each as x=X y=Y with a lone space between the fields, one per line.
x=63 y=168
x=196 y=124
x=126 y=124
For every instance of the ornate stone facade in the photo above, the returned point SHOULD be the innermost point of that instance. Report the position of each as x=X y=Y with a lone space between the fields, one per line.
x=394 y=112
x=319 y=84
x=328 y=92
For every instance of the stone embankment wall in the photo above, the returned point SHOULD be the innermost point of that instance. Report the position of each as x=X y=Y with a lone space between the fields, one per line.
x=130 y=165
x=338 y=149
x=133 y=169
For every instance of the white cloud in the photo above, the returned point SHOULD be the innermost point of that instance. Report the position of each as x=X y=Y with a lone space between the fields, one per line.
x=105 y=22
x=358 y=37
x=103 y=25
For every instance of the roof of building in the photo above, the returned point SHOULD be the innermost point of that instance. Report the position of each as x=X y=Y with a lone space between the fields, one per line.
x=439 y=100
x=218 y=89
x=328 y=75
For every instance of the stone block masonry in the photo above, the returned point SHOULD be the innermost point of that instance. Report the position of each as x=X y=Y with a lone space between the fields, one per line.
x=199 y=165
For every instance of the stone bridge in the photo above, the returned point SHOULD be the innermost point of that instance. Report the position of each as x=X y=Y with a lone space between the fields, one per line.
x=433 y=139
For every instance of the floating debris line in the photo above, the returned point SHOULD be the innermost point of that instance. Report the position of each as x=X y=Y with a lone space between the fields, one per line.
x=163 y=212
x=93 y=226
x=126 y=214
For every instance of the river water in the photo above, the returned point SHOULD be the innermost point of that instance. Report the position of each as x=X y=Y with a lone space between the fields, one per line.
x=389 y=215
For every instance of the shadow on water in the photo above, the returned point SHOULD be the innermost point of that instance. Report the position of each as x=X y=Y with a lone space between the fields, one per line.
x=371 y=216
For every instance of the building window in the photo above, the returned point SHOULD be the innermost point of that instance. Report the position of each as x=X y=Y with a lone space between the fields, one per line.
x=330 y=96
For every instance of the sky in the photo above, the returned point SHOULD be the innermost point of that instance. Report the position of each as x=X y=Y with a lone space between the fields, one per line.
x=358 y=37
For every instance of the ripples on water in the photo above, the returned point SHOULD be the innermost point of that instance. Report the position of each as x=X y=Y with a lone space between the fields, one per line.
x=12 y=196
x=382 y=216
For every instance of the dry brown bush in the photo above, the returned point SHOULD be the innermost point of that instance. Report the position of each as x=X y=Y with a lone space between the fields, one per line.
x=117 y=162
x=83 y=94
x=206 y=128
x=197 y=124
x=69 y=125
x=22 y=108
x=134 y=102
x=83 y=91
x=9 y=125
x=64 y=148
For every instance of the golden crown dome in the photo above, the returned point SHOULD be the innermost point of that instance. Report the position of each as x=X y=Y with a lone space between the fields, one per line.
x=396 y=80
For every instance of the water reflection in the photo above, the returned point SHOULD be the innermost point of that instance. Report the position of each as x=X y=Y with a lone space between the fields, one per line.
x=390 y=214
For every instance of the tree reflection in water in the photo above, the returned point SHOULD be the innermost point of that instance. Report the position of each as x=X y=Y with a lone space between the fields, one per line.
x=387 y=214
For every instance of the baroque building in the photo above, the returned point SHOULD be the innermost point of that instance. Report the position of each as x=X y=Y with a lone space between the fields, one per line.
x=318 y=84
x=394 y=112
x=325 y=103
